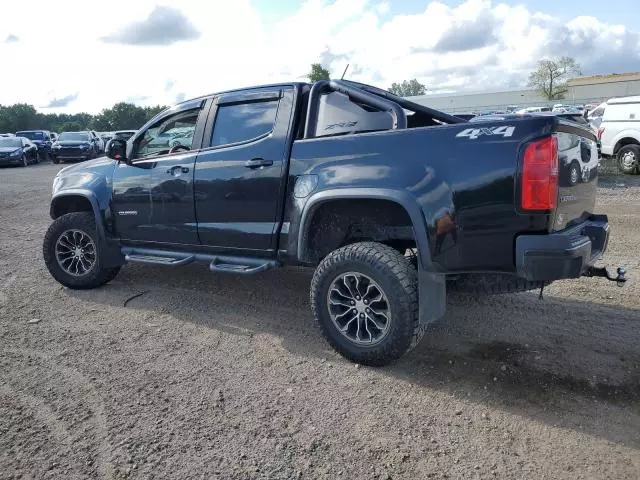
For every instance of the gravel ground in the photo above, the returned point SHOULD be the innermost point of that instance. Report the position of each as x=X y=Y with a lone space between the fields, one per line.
x=205 y=376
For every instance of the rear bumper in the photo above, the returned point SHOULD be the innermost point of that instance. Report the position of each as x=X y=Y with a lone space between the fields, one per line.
x=565 y=254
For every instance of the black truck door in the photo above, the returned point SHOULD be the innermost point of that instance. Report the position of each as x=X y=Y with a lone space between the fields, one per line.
x=239 y=184
x=153 y=198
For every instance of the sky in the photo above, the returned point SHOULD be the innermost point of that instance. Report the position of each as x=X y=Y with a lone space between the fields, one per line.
x=76 y=55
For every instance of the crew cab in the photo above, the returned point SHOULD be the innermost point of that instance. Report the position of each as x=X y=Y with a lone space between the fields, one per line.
x=389 y=201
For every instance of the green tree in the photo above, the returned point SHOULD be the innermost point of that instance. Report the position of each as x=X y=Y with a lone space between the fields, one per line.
x=19 y=116
x=122 y=116
x=318 y=72
x=70 y=127
x=408 y=88
x=550 y=77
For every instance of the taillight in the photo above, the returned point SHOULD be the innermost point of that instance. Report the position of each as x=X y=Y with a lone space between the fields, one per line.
x=540 y=175
x=600 y=132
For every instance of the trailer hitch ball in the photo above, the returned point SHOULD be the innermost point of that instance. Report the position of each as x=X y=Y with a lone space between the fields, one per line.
x=620 y=279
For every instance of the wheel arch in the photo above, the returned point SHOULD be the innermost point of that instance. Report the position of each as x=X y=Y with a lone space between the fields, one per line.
x=77 y=200
x=399 y=198
x=625 y=140
x=62 y=201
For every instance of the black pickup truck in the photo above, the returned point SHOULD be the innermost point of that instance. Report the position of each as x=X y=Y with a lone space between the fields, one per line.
x=392 y=203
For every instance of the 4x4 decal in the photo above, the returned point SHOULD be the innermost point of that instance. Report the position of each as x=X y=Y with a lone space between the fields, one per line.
x=473 y=133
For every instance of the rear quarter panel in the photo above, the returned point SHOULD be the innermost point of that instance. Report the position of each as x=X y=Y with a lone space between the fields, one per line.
x=462 y=177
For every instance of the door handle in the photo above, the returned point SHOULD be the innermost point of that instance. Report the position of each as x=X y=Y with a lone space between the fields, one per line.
x=177 y=170
x=258 y=162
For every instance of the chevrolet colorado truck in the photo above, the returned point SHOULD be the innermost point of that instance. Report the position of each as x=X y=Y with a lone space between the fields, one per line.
x=391 y=202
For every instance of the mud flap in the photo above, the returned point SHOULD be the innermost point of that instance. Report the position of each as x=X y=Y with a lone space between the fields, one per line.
x=432 y=292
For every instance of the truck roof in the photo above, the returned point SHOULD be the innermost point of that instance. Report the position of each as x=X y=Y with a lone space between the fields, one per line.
x=191 y=103
x=623 y=100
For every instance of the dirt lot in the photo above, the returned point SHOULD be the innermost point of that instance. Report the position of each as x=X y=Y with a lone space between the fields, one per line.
x=207 y=376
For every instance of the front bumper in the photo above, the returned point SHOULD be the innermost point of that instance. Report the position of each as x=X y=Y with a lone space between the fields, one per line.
x=4 y=161
x=565 y=254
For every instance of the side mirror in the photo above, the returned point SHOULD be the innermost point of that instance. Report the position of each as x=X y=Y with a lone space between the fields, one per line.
x=117 y=150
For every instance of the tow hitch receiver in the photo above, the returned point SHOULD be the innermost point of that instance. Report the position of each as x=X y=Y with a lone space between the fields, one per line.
x=602 y=272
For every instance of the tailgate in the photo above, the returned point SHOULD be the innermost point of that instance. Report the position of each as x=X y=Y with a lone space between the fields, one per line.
x=578 y=159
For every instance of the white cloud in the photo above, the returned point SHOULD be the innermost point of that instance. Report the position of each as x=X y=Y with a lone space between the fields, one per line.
x=473 y=45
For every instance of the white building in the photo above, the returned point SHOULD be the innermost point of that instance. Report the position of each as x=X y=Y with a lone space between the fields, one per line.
x=582 y=90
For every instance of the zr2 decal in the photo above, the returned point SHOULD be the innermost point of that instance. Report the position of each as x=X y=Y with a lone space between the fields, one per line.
x=473 y=133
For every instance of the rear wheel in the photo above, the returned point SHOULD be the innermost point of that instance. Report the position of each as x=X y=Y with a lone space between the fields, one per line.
x=629 y=158
x=364 y=298
x=574 y=174
x=71 y=252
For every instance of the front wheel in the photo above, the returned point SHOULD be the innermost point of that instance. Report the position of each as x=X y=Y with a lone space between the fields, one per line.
x=24 y=161
x=629 y=159
x=71 y=252
x=364 y=298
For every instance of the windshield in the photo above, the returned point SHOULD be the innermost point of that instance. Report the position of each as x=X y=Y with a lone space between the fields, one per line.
x=74 y=136
x=30 y=135
x=10 y=142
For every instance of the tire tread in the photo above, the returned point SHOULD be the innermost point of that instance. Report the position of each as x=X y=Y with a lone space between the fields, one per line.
x=386 y=261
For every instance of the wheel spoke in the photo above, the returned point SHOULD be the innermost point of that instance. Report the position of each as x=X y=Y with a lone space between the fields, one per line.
x=85 y=264
x=342 y=304
x=348 y=324
x=370 y=288
x=366 y=327
x=343 y=314
x=346 y=283
x=375 y=322
x=380 y=313
x=64 y=242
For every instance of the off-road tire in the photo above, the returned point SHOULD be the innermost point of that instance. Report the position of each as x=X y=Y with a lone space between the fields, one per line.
x=491 y=284
x=396 y=276
x=97 y=275
x=629 y=170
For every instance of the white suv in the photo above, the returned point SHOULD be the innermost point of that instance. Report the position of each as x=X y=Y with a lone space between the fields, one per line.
x=619 y=132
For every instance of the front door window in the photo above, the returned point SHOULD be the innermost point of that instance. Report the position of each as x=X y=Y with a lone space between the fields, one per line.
x=169 y=135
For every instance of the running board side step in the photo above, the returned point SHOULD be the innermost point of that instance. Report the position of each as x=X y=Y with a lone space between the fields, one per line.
x=159 y=260
x=241 y=266
x=217 y=263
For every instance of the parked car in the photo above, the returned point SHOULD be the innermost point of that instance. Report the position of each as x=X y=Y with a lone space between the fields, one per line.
x=105 y=136
x=594 y=117
x=41 y=138
x=121 y=134
x=97 y=139
x=17 y=151
x=74 y=146
x=619 y=132
x=465 y=116
x=345 y=178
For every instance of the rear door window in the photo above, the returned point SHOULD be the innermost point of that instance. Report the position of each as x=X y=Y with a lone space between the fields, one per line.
x=243 y=122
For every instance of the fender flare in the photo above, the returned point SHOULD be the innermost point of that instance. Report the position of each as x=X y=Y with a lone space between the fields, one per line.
x=402 y=198
x=622 y=135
